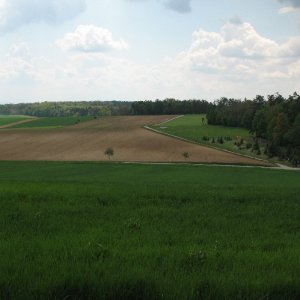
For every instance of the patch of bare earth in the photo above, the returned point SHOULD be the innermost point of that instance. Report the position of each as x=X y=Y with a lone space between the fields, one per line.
x=87 y=142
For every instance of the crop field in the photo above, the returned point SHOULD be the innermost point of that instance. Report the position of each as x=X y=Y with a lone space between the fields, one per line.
x=11 y=119
x=192 y=128
x=123 y=231
x=87 y=141
x=53 y=122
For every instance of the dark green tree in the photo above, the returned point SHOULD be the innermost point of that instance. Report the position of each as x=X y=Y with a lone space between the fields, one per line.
x=109 y=152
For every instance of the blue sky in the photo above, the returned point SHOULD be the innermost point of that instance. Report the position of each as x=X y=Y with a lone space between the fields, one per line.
x=59 y=50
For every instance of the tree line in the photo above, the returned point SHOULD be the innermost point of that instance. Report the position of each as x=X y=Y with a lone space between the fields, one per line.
x=274 y=120
x=66 y=109
x=104 y=108
x=170 y=107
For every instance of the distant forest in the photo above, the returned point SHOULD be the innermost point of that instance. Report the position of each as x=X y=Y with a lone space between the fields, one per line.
x=274 y=119
x=67 y=109
x=107 y=108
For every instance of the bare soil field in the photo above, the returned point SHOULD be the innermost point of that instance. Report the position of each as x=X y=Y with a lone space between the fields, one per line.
x=87 y=142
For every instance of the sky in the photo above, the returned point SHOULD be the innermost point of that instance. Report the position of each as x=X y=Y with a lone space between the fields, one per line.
x=84 y=50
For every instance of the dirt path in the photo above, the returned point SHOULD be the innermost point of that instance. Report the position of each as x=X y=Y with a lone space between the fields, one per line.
x=164 y=122
x=16 y=123
x=284 y=167
x=87 y=141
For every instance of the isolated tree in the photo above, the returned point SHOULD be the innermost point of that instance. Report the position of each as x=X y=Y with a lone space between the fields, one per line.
x=109 y=152
x=186 y=155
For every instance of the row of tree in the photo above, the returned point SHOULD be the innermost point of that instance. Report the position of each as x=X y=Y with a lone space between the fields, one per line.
x=64 y=109
x=103 y=108
x=170 y=107
x=274 y=119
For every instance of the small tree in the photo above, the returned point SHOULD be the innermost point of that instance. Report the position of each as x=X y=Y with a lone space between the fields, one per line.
x=186 y=155
x=109 y=152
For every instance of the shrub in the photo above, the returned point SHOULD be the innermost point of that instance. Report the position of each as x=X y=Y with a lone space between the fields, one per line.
x=109 y=152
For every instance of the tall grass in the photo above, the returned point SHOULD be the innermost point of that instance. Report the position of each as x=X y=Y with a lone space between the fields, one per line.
x=113 y=231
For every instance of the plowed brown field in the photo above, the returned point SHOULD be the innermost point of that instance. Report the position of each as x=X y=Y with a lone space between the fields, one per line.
x=87 y=142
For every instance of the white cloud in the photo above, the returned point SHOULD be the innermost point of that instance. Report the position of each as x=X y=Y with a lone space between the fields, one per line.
x=238 y=51
x=15 y=13
x=19 y=50
x=235 y=61
x=287 y=10
x=18 y=65
x=90 y=38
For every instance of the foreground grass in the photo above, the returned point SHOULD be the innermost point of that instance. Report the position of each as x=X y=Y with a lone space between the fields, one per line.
x=53 y=122
x=8 y=119
x=112 y=231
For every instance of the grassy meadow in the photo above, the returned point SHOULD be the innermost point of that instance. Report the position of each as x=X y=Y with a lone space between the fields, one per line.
x=8 y=119
x=125 y=231
x=53 y=122
x=192 y=128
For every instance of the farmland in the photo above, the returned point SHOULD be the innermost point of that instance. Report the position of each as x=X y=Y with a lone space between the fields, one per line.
x=87 y=141
x=7 y=119
x=192 y=128
x=52 y=122
x=121 y=231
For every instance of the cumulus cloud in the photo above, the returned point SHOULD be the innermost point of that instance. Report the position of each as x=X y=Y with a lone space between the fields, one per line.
x=291 y=6
x=90 y=38
x=18 y=65
x=15 y=13
x=235 y=61
x=287 y=10
x=237 y=50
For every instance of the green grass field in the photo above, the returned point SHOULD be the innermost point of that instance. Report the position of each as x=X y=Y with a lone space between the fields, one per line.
x=191 y=128
x=124 y=231
x=54 y=122
x=8 y=119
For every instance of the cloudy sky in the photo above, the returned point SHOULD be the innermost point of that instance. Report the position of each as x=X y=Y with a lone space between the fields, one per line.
x=146 y=49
